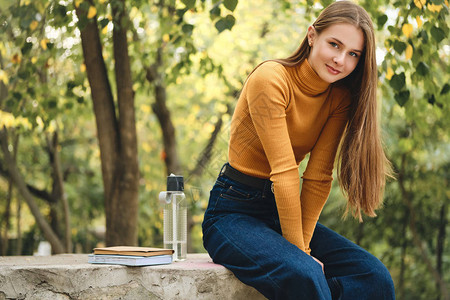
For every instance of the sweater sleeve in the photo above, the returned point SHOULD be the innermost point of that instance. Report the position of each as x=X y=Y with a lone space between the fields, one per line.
x=317 y=177
x=267 y=96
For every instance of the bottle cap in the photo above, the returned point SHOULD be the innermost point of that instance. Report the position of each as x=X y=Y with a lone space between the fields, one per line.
x=175 y=183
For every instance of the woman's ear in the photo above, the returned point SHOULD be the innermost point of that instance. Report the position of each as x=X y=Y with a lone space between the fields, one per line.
x=311 y=35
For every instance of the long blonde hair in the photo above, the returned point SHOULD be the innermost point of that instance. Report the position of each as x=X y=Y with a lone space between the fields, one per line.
x=363 y=164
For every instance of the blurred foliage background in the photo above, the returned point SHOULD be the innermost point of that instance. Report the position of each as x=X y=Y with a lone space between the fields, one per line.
x=187 y=61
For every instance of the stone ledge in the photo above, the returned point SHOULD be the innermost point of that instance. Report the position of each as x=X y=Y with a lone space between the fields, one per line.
x=69 y=276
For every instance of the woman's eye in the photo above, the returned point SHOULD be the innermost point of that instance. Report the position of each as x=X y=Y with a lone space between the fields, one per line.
x=353 y=54
x=333 y=44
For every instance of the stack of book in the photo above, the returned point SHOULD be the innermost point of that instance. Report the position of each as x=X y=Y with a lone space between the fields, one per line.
x=131 y=256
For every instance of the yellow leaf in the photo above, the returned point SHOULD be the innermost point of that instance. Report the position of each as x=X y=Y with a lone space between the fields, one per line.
x=44 y=44
x=101 y=1
x=6 y=119
x=39 y=122
x=166 y=38
x=105 y=30
x=146 y=108
x=92 y=12
x=419 y=21
x=34 y=25
x=407 y=29
x=4 y=77
x=409 y=52
x=83 y=68
x=420 y=3
x=389 y=73
x=146 y=147
x=34 y=60
x=77 y=3
x=434 y=7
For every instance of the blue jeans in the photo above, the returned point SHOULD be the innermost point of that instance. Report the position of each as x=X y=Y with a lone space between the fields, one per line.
x=241 y=231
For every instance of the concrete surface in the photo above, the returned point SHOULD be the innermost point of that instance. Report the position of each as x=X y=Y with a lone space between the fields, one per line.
x=69 y=276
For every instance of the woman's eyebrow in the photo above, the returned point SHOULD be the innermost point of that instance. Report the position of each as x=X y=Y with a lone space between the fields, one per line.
x=337 y=40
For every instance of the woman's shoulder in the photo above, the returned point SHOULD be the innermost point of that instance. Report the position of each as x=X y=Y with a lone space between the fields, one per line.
x=269 y=69
x=269 y=72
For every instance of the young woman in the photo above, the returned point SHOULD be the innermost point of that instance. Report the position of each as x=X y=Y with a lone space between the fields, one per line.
x=261 y=223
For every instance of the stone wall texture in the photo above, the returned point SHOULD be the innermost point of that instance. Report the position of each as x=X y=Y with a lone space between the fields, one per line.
x=69 y=276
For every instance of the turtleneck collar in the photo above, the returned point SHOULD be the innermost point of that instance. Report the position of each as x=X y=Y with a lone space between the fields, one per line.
x=308 y=80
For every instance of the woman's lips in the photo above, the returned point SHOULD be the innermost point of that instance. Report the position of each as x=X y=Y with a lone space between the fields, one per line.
x=333 y=70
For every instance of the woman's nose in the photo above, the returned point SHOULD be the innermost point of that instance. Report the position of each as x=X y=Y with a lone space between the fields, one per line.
x=339 y=59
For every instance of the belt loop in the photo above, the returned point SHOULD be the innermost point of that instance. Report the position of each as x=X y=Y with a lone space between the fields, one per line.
x=224 y=167
x=271 y=188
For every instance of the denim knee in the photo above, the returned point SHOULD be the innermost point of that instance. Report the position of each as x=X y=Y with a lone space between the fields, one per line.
x=303 y=279
x=384 y=281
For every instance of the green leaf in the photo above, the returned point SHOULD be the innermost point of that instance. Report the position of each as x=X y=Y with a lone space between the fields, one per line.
x=399 y=47
x=103 y=23
x=214 y=13
x=82 y=22
x=26 y=48
x=381 y=20
x=187 y=29
x=17 y=95
x=225 y=23
x=189 y=3
x=424 y=36
x=60 y=10
x=230 y=4
x=445 y=89
x=180 y=12
x=397 y=81
x=402 y=97
x=437 y=33
x=422 y=68
x=25 y=23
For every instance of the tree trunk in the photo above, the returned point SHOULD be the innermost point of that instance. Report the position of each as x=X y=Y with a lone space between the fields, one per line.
x=6 y=217
x=19 y=227
x=117 y=140
x=58 y=191
x=163 y=114
x=205 y=155
x=124 y=227
x=49 y=234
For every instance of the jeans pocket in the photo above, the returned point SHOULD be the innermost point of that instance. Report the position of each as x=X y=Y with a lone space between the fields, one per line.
x=237 y=194
x=230 y=196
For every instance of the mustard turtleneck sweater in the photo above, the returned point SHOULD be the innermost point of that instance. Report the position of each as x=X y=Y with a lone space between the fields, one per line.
x=284 y=113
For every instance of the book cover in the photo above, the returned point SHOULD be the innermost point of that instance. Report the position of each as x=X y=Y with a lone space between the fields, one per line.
x=130 y=250
x=129 y=260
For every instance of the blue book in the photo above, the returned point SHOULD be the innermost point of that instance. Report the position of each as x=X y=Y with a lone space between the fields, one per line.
x=130 y=260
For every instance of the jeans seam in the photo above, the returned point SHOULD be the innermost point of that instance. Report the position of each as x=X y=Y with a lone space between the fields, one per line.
x=338 y=284
x=249 y=258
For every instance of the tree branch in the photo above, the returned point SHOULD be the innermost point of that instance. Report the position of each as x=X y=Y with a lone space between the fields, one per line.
x=17 y=178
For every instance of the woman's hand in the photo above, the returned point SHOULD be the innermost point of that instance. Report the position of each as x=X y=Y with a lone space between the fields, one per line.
x=320 y=263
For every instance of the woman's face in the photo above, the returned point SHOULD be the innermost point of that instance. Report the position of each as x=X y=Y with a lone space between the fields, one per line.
x=335 y=52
